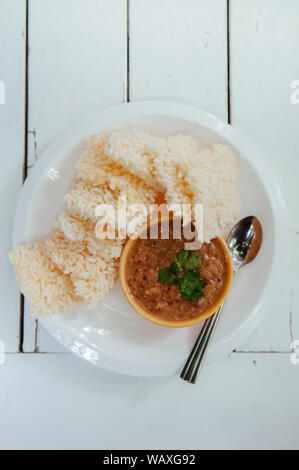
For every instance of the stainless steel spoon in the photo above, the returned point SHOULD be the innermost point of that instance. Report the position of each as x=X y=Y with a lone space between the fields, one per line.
x=244 y=242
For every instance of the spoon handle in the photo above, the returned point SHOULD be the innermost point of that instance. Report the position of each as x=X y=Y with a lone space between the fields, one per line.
x=187 y=370
x=198 y=353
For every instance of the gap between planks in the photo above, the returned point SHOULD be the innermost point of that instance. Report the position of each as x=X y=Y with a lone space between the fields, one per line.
x=128 y=52
x=238 y=351
x=228 y=60
x=25 y=160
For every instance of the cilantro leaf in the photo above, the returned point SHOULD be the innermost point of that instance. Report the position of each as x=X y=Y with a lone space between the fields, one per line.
x=194 y=296
x=201 y=283
x=193 y=261
x=181 y=258
x=166 y=277
x=187 y=260
x=174 y=268
x=191 y=286
x=188 y=282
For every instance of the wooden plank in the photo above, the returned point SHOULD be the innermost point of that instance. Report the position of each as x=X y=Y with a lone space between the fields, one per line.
x=12 y=67
x=77 y=65
x=264 y=48
x=178 y=52
x=243 y=402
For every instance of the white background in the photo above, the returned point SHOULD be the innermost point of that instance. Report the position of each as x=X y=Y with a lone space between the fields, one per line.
x=62 y=60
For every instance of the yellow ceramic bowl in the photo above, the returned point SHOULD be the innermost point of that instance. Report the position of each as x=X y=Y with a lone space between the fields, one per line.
x=172 y=323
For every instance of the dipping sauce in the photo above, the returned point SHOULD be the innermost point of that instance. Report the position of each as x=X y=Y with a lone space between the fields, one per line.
x=149 y=256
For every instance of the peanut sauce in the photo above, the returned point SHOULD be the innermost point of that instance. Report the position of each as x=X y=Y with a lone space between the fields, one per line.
x=148 y=256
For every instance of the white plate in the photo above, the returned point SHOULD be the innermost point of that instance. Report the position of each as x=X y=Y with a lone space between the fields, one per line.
x=113 y=336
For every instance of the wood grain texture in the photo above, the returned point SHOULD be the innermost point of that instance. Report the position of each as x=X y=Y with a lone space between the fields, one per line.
x=12 y=68
x=178 y=52
x=243 y=402
x=77 y=65
x=264 y=38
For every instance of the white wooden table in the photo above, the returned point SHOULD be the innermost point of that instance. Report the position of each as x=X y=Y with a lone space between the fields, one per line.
x=63 y=59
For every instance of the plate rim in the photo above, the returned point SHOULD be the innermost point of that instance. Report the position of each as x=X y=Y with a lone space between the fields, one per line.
x=232 y=134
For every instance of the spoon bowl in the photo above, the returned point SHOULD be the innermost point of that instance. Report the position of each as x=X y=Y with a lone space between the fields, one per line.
x=244 y=241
